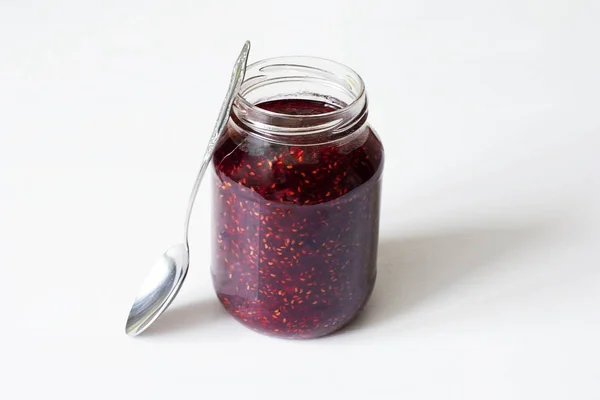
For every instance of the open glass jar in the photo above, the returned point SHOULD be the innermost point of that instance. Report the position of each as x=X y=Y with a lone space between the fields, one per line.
x=296 y=198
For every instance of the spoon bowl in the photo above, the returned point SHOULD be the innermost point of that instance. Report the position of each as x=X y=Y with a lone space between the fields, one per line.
x=159 y=289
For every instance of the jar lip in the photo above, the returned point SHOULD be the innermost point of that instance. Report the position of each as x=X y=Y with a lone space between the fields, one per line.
x=304 y=62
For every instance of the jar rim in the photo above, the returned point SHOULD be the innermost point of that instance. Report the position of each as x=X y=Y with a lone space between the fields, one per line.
x=297 y=61
x=300 y=77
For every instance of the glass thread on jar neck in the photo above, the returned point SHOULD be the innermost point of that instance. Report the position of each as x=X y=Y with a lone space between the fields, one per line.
x=307 y=78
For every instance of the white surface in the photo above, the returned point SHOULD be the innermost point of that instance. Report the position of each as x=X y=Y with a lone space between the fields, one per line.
x=489 y=273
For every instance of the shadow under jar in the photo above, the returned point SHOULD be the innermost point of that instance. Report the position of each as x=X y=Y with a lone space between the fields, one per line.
x=296 y=198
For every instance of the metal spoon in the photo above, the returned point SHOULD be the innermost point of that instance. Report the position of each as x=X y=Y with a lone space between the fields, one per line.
x=166 y=277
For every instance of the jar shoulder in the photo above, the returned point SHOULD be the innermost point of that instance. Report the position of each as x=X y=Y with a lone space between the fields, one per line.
x=299 y=174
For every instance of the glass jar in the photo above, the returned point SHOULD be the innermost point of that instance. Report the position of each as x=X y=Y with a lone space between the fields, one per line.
x=296 y=198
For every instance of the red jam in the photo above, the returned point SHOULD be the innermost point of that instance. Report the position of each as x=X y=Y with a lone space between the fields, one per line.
x=296 y=227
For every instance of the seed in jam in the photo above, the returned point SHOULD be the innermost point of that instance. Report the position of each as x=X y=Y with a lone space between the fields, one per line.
x=296 y=227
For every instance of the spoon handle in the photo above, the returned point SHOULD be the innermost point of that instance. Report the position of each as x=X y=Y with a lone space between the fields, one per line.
x=237 y=77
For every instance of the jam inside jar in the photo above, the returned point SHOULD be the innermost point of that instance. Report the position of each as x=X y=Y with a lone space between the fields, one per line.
x=296 y=198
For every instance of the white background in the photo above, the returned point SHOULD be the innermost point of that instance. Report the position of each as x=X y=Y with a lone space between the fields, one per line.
x=489 y=267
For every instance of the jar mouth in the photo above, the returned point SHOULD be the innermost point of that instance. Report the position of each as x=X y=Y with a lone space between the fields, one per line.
x=300 y=77
x=303 y=67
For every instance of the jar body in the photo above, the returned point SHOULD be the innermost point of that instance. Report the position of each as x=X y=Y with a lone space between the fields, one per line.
x=295 y=229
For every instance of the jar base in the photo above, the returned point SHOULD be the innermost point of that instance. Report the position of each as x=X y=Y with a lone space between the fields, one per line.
x=251 y=317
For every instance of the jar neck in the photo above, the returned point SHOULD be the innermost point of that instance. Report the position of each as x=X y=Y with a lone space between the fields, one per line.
x=301 y=78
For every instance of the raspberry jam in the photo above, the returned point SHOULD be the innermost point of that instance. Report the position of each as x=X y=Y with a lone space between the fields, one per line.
x=296 y=196
x=296 y=228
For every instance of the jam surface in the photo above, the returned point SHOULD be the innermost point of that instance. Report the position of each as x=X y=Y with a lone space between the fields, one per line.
x=296 y=227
